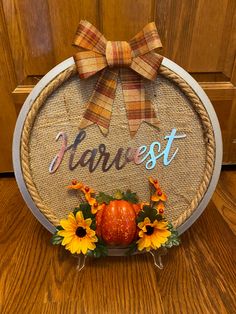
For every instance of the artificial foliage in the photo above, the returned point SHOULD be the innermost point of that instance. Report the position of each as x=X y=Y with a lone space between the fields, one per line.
x=92 y=228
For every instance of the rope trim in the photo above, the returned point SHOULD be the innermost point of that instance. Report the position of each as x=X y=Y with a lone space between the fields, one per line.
x=65 y=75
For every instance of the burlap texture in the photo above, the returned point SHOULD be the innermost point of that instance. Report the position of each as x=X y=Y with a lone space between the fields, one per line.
x=62 y=112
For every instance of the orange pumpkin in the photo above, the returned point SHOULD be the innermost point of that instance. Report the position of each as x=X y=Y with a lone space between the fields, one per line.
x=116 y=223
x=137 y=208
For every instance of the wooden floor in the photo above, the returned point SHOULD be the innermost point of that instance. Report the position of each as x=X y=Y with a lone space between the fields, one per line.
x=199 y=276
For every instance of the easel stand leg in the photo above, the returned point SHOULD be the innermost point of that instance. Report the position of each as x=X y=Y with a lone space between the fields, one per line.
x=157 y=257
x=81 y=262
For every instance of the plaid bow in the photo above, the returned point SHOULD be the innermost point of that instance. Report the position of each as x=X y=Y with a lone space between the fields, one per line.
x=134 y=61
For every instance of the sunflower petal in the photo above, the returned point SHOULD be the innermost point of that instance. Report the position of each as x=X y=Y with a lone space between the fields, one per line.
x=90 y=232
x=73 y=245
x=71 y=218
x=141 y=244
x=66 y=233
x=84 y=244
x=67 y=240
x=88 y=222
x=79 y=216
x=68 y=225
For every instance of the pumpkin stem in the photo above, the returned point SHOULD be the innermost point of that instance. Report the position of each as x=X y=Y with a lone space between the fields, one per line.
x=118 y=195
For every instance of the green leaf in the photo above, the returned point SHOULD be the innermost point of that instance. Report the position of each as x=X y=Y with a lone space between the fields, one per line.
x=97 y=253
x=130 y=197
x=100 y=251
x=84 y=207
x=93 y=224
x=56 y=239
x=174 y=239
x=100 y=241
x=76 y=210
x=159 y=217
x=149 y=212
x=104 y=198
x=86 y=210
x=89 y=253
x=59 y=228
x=170 y=226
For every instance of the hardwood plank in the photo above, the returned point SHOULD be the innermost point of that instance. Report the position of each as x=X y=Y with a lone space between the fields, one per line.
x=224 y=198
x=232 y=132
x=7 y=109
x=208 y=268
x=64 y=18
x=199 y=276
x=206 y=52
x=175 y=21
x=29 y=34
x=228 y=57
x=200 y=30
x=122 y=19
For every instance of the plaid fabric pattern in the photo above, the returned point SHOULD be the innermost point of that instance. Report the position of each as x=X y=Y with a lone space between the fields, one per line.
x=99 y=108
x=88 y=37
x=146 y=40
x=138 y=107
x=135 y=61
x=118 y=53
x=147 y=65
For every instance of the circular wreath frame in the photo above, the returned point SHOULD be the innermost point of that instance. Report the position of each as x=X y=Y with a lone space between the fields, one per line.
x=164 y=71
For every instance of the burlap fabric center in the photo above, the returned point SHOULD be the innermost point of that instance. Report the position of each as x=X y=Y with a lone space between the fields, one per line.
x=185 y=180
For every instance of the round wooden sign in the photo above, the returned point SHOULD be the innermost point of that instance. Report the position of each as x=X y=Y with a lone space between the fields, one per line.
x=184 y=152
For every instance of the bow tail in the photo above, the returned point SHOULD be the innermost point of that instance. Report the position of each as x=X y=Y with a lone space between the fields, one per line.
x=139 y=109
x=99 y=108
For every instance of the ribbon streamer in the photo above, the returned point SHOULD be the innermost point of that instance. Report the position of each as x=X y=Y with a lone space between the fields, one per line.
x=134 y=62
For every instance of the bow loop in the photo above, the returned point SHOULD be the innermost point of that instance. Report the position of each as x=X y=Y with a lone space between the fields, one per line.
x=89 y=63
x=135 y=59
x=88 y=37
x=146 y=40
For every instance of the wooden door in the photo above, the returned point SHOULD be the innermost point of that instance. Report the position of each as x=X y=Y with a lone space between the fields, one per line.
x=197 y=34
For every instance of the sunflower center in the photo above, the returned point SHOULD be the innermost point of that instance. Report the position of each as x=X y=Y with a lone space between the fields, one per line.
x=150 y=230
x=80 y=232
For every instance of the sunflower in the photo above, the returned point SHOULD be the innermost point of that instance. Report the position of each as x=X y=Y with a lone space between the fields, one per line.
x=159 y=196
x=152 y=234
x=77 y=235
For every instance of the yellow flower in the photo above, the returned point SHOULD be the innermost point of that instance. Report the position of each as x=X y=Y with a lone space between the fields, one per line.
x=160 y=208
x=87 y=190
x=154 y=182
x=159 y=196
x=95 y=207
x=75 y=185
x=77 y=235
x=152 y=235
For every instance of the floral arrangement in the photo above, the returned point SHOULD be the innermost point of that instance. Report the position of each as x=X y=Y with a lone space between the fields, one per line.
x=103 y=221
